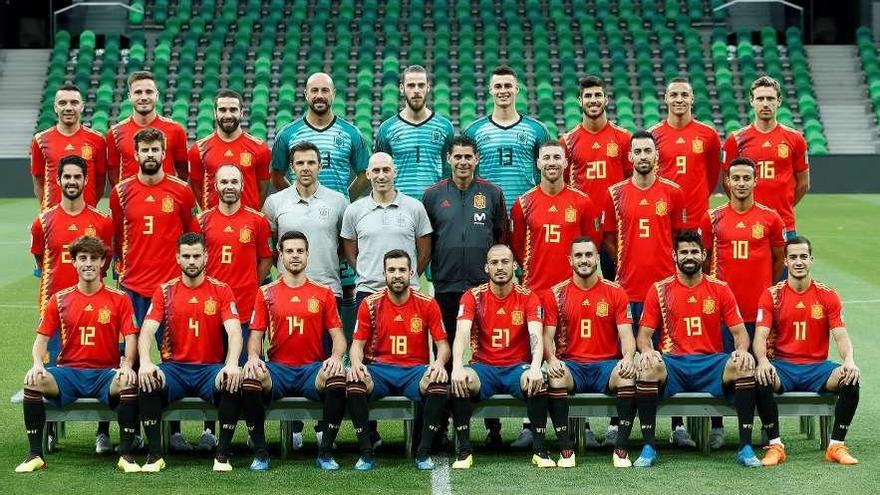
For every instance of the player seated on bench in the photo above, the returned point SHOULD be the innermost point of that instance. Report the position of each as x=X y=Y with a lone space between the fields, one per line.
x=90 y=317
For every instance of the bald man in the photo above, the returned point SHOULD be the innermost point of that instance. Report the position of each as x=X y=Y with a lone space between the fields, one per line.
x=384 y=220
x=343 y=149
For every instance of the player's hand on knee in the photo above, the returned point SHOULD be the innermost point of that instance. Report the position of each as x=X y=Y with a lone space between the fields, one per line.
x=626 y=369
x=126 y=376
x=460 y=383
x=357 y=373
x=555 y=368
x=437 y=373
x=534 y=381
x=850 y=373
x=743 y=360
x=231 y=377
x=150 y=377
x=254 y=369
x=765 y=373
x=332 y=366
x=35 y=375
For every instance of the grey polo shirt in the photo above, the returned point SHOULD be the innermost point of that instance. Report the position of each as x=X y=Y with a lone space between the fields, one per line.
x=320 y=219
x=378 y=230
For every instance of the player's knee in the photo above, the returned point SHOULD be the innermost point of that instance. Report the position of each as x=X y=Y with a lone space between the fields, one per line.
x=436 y=389
x=251 y=386
x=557 y=382
x=356 y=389
x=335 y=383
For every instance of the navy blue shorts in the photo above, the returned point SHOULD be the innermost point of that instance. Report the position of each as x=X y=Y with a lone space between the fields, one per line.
x=81 y=383
x=636 y=309
x=728 y=337
x=294 y=381
x=190 y=380
x=500 y=379
x=390 y=379
x=140 y=304
x=245 y=334
x=809 y=377
x=591 y=377
x=695 y=373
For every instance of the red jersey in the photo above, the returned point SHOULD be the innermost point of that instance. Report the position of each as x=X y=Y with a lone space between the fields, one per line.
x=297 y=320
x=644 y=221
x=51 y=145
x=542 y=228
x=741 y=247
x=249 y=154
x=690 y=157
x=779 y=154
x=597 y=160
x=799 y=322
x=500 y=332
x=236 y=243
x=52 y=232
x=397 y=334
x=192 y=318
x=120 y=146
x=586 y=320
x=90 y=326
x=147 y=220
x=690 y=318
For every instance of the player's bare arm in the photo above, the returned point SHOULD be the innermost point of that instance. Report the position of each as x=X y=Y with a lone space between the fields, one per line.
x=358 y=371
x=423 y=253
x=459 y=376
x=740 y=355
x=626 y=367
x=437 y=368
x=150 y=377
x=231 y=371
x=534 y=376
x=765 y=373
x=333 y=366
x=555 y=368
x=38 y=371
x=850 y=373
x=255 y=368
x=350 y=248
x=801 y=185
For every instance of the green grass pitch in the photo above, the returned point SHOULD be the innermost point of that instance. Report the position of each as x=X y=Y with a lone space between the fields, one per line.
x=844 y=233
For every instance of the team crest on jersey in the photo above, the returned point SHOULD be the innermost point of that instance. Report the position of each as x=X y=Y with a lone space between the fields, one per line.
x=522 y=137
x=86 y=152
x=210 y=307
x=708 y=306
x=516 y=317
x=782 y=150
x=758 y=231
x=90 y=231
x=602 y=308
x=338 y=140
x=104 y=316
x=245 y=159
x=167 y=204
x=480 y=201
x=245 y=235
x=817 y=312
x=571 y=214
x=612 y=150
x=313 y=305
x=661 y=208
x=697 y=145
x=415 y=325
x=436 y=137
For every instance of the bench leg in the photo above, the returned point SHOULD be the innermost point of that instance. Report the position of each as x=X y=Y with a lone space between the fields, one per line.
x=575 y=427
x=408 y=436
x=166 y=436
x=825 y=424
x=285 y=438
x=46 y=438
x=61 y=429
x=808 y=427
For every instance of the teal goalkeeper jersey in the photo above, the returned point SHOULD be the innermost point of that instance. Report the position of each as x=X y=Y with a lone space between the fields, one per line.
x=508 y=154
x=419 y=151
x=343 y=150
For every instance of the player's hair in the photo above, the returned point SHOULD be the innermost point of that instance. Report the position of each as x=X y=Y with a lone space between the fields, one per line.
x=141 y=75
x=395 y=254
x=413 y=69
x=305 y=146
x=72 y=160
x=580 y=239
x=547 y=144
x=293 y=235
x=591 y=81
x=464 y=142
x=89 y=245
x=642 y=134
x=69 y=87
x=742 y=161
x=227 y=93
x=149 y=135
x=799 y=239
x=504 y=70
x=688 y=236
x=765 y=81
x=190 y=239
x=679 y=79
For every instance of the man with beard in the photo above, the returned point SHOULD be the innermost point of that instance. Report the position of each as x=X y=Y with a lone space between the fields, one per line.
x=342 y=147
x=194 y=311
x=229 y=144
x=298 y=315
x=507 y=141
x=390 y=355
x=417 y=138
x=122 y=159
x=67 y=137
x=589 y=345
x=690 y=151
x=796 y=317
x=689 y=308
x=507 y=353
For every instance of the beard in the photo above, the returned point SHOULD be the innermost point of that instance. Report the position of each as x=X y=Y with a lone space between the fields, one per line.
x=228 y=125
x=689 y=267
x=146 y=170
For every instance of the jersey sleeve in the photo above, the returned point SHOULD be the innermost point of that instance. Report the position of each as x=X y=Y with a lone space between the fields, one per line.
x=435 y=322
x=729 y=309
x=423 y=225
x=269 y=212
x=264 y=238
x=609 y=216
x=196 y=169
x=37 y=239
x=228 y=310
x=280 y=161
x=38 y=161
x=179 y=151
x=51 y=320
x=834 y=310
x=363 y=329
x=551 y=310
x=651 y=312
x=264 y=156
x=590 y=221
x=501 y=229
x=708 y=235
x=188 y=211
x=679 y=211
x=800 y=161
x=777 y=231
x=100 y=160
x=348 y=230
x=260 y=317
x=331 y=312
x=126 y=314
x=467 y=306
x=117 y=217
x=360 y=154
x=623 y=315
x=728 y=152
x=713 y=162
x=113 y=159
x=765 y=310
x=534 y=308
x=381 y=144
x=156 y=312
x=517 y=231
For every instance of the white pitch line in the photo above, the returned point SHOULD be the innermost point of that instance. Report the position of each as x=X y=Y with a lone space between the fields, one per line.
x=440 y=482
x=18 y=306
x=862 y=301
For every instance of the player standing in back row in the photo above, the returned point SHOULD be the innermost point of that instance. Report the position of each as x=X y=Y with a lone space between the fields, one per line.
x=507 y=142
x=416 y=137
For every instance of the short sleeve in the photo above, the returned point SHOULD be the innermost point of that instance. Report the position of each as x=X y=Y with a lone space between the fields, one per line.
x=280 y=160
x=38 y=161
x=37 y=239
x=609 y=216
x=264 y=156
x=590 y=221
x=834 y=310
x=435 y=322
x=363 y=328
x=467 y=306
x=423 y=225
x=188 y=211
x=729 y=310
x=100 y=159
x=331 y=312
x=729 y=152
x=651 y=312
x=260 y=317
x=551 y=309
x=381 y=144
x=534 y=308
x=113 y=159
x=800 y=159
x=126 y=317
x=269 y=212
x=679 y=212
x=777 y=231
x=195 y=164
x=179 y=151
x=622 y=313
x=51 y=320
x=360 y=156
x=264 y=238
x=349 y=229
x=156 y=312
x=765 y=310
x=228 y=310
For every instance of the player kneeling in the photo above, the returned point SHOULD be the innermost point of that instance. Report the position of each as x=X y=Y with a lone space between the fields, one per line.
x=507 y=355
x=193 y=310
x=391 y=336
x=690 y=308
x=297 y=313
x=90 y=318
x=795 y=319
x=589 y=346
